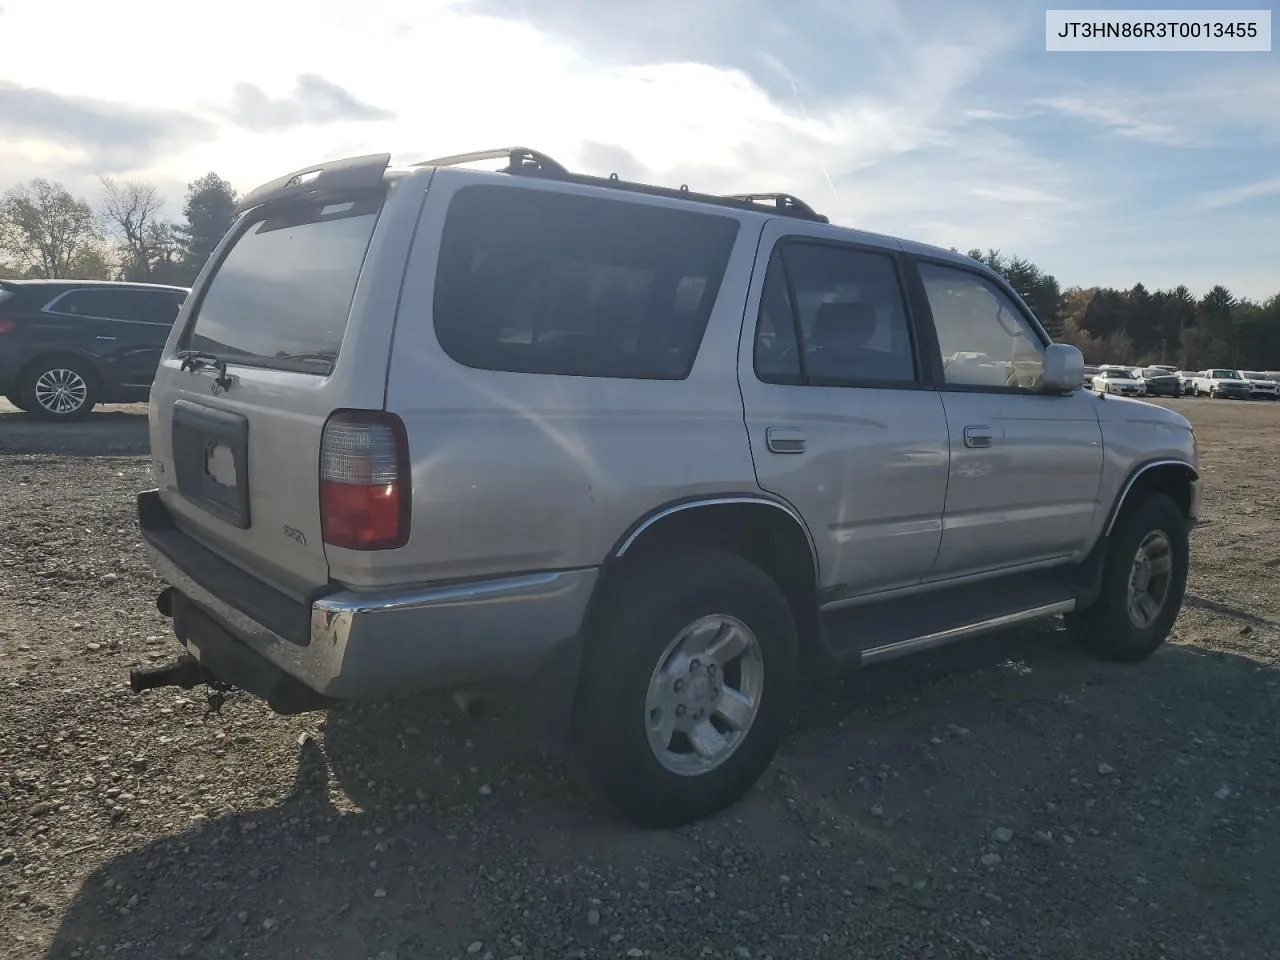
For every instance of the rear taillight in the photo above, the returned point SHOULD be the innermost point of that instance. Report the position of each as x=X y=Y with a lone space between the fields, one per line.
x=364 y=481
x=6 y=324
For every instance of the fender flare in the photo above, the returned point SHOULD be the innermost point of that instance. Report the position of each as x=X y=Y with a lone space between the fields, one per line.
x=1132 y=480
x=637 y=529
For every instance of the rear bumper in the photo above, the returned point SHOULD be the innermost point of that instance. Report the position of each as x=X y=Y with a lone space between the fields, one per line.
x=345 y=645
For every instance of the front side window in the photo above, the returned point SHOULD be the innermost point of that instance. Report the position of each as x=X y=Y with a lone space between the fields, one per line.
x=844 y=306
x=538 y=281
x=984 y=339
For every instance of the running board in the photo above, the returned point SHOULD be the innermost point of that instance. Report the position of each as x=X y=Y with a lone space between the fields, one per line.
x=889 y=651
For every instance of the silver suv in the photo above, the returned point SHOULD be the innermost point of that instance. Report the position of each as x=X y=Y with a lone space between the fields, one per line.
x=646 y=453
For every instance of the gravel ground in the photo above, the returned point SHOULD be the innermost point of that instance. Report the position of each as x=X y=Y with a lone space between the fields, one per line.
x=1002 y=798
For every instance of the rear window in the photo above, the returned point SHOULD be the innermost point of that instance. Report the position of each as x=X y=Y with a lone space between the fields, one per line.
x=533 y=281
x=281 y=295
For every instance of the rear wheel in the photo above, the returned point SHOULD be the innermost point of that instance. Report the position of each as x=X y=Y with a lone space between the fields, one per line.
x=59 y=388
x=687 y=685
x=1143 y=582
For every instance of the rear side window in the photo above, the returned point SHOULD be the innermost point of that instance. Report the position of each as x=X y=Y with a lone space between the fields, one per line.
x=103 y=304
x=844 y=307
x=281 y=295
x=532 y=281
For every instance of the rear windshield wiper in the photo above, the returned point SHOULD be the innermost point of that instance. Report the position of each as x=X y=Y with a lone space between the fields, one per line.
x=326 y=357
x=195 y=359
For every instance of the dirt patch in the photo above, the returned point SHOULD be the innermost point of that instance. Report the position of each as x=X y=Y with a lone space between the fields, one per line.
x=1003 y=798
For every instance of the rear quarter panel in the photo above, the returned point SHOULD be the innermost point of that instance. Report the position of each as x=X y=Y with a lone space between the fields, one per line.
x=515 y=472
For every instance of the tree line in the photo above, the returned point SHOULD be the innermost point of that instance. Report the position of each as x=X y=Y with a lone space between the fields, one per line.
x=1140 y=326
x=46 y=232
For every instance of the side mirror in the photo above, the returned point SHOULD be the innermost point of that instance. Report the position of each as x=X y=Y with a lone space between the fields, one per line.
x=1063 y=369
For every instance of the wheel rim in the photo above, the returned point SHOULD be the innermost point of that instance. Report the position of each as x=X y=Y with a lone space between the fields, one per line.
x=61 y=391
x=1150 y=579
x=704 y=695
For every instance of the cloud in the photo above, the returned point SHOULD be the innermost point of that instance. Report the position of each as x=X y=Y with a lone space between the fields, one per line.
x=1218 y=199
x=1119 y=118
x=314 y=101
x=108 y=135
x=1014 y=193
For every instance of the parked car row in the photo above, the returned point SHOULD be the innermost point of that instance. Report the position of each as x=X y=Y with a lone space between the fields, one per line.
x=1220 y=382
x=1161 y=380
x=68 y=345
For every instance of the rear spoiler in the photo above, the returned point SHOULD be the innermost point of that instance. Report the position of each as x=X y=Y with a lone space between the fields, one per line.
x=318 y=180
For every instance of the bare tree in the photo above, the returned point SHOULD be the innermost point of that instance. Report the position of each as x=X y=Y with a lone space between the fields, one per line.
x=131 y=210
x=46 y=230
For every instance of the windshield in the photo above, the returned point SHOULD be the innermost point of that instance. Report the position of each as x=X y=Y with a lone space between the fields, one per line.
x=1254 y=375
x=1119 y=374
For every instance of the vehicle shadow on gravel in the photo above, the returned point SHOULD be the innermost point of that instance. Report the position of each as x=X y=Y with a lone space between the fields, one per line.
x=1126 y=791
x=113 y=431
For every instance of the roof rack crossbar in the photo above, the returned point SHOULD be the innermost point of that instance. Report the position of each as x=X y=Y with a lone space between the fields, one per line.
x=782 y=201
x=523 y=161
x=520 y=160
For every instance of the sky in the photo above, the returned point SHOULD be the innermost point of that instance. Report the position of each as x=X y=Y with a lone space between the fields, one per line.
x=943 y=122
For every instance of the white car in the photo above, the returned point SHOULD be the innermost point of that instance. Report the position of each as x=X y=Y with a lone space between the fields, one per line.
x=1261 y=386
x=1118 y=381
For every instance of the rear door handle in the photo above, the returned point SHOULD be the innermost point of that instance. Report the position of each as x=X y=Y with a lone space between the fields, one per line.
x=784 y=440
x=978 y=436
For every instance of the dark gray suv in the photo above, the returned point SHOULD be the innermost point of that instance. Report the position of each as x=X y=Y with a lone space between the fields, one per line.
x=67 y=345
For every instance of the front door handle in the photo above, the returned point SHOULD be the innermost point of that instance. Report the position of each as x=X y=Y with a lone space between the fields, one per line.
x=978 y=436
x=784 y=440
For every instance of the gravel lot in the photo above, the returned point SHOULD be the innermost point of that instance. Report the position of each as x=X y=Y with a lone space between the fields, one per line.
x=1003 y=798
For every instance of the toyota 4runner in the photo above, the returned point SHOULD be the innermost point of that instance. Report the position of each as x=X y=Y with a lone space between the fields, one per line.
x=436 y=426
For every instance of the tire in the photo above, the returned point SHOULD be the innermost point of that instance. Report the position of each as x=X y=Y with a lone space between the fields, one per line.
x=59 y=389
x=654 y=603
x=1108 y=628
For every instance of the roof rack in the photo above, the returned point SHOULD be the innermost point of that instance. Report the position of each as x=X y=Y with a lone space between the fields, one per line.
x=525 y=162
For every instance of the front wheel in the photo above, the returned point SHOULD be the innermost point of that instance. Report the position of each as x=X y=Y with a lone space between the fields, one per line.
x=1143 y=582
x=688 y=684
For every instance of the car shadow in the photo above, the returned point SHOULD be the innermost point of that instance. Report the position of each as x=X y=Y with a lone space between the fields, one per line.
x=412 y=830
x=109 y=431
x=1226 y=610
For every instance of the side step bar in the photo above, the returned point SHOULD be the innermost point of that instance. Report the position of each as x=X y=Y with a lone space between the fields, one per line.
x=890 y=651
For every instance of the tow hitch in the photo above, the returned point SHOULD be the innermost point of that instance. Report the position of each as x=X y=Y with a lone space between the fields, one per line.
x=184 y=672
